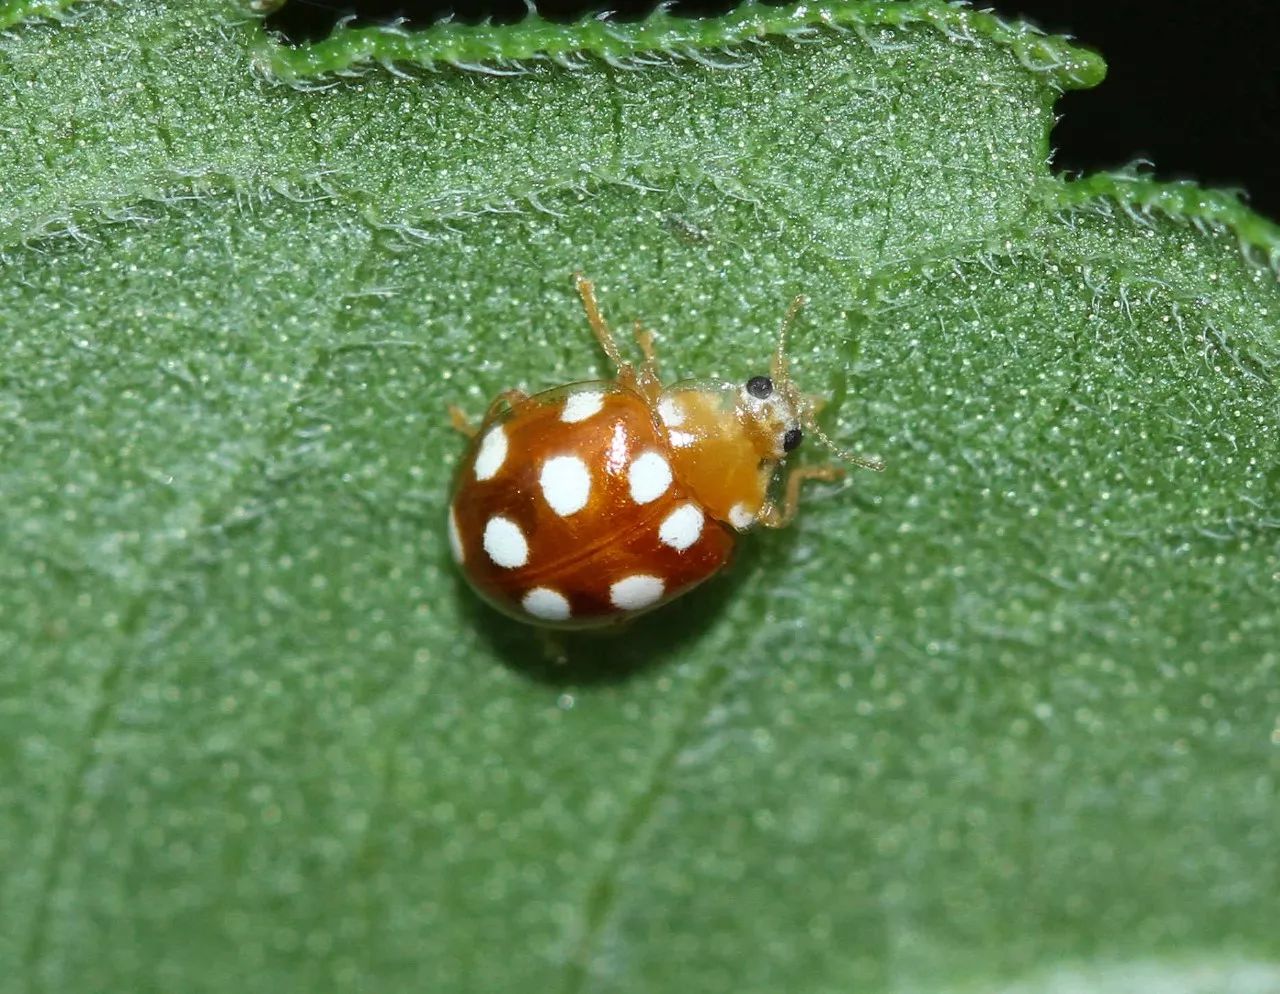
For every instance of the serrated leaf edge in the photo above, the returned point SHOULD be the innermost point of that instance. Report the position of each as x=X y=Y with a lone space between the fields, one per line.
x=1141 y=197
x=512 y=49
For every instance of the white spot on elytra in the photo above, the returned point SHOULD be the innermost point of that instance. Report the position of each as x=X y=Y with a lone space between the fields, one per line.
x=681 y=527
x=582 y=405
x=492 y=453
x=566 y=484
x=649 y=475
x=740 y=517
x=545 y=603
x=671 y=413
x=680 y=439
x=636 y=592
x=455 y=536
x=505 y=543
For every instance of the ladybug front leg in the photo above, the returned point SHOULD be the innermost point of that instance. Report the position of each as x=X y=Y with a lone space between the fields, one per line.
x=461 y=423
x=647 y=380
x=814 y=404
x=773 y=516
x=587 y=291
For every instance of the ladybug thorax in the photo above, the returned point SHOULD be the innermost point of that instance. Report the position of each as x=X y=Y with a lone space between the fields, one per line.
x=727 y=442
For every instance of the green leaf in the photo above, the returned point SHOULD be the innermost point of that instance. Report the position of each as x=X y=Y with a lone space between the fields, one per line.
x=1006 y=716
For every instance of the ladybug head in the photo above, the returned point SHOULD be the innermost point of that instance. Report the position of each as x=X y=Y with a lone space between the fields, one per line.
x=776 y=410
x=780 y=414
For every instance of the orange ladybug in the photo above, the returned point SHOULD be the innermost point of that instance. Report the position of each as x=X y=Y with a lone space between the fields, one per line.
x=587 y=504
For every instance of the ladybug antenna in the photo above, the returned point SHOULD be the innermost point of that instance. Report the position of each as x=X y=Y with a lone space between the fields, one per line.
x=866 y=462
x=779 y=368
x=809 y=406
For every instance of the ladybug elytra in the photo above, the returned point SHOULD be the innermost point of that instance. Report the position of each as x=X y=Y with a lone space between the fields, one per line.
x=586 y=504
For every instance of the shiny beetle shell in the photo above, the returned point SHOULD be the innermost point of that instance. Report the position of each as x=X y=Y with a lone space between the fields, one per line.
x=587 y=504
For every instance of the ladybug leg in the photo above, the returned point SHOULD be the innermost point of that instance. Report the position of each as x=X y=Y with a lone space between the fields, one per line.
x=648 y=380
x=463 y=424
x=587 y=291
x=551 y=644
x=815 y=404
x=504 y=401
x=460 y=423
x=773 y=516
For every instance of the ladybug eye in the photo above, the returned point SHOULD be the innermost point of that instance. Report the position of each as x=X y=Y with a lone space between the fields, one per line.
x=792 y=439
x=760 y=387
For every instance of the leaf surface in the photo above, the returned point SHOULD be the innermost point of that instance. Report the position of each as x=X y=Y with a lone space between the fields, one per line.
x=1004 y=715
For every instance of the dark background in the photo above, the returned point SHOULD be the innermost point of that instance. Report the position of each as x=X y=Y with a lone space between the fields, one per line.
x=1192 y=87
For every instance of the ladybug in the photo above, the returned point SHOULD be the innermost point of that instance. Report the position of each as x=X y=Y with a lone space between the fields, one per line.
x=590 y=503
